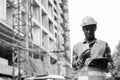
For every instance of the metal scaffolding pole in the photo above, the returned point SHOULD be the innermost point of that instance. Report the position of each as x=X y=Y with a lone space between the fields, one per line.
x=29 y=26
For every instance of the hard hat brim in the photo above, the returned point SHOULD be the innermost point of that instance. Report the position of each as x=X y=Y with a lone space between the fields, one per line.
x=89 y=24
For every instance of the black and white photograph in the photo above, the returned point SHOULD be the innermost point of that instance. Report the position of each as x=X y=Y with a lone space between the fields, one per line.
x=59 y=40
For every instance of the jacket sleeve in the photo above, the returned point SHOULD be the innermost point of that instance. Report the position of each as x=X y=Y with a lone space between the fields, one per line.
x=77 y=63
x=107 y=53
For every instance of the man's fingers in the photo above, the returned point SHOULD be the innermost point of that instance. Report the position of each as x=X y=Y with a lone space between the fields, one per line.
x=86 y=51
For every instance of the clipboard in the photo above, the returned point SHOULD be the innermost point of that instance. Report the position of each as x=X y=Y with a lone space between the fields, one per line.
x=100 y=63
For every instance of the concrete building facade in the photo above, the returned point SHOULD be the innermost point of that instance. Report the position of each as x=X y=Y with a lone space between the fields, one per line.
x=49 y=45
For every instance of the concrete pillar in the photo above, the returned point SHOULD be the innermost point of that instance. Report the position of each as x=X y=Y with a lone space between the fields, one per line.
x=3 y=9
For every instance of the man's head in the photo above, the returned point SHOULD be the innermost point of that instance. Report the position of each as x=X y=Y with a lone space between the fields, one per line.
x=89 y=26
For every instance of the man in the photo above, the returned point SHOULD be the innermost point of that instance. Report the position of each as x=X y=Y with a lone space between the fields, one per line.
x=91 y=48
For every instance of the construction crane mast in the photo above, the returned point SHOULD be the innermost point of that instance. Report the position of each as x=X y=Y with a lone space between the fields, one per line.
x=22 y=30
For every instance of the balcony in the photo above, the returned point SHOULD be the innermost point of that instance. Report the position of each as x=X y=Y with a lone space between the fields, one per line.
x=44 y=20
x=45 y=40
x=50 y=9
x=36 y=11
x=51 y=26
x=44 y=3
x=36 y=35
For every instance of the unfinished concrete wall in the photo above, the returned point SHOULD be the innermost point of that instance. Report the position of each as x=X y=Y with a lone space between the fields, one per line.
x=36 y=35
x=3 y=9
x=9 y=16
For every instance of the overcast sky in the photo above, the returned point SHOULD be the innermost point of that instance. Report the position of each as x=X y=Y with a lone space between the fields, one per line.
x=105 y=12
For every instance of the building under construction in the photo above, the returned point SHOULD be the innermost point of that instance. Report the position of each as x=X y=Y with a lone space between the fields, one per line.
x=34 y=38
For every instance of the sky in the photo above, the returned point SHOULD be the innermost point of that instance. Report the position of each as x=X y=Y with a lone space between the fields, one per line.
x=105 y=12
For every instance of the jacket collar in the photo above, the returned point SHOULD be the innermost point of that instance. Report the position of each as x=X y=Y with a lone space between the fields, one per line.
x=95 y=40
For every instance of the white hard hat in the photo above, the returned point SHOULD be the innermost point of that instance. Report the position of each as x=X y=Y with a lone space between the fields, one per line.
x=88 y=21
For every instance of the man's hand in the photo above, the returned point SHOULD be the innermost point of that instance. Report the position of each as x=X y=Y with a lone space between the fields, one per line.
x=86 y=54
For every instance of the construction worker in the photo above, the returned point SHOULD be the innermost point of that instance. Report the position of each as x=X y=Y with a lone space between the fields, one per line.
x=90 y=48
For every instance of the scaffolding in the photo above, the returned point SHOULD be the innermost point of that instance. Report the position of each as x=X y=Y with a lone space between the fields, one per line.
x=22 y=30
x=22 y=38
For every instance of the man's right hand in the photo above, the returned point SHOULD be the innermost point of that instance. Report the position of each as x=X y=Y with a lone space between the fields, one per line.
x=85 y=54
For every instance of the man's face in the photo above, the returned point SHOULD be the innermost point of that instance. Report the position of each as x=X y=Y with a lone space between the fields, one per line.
x=89 y=31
